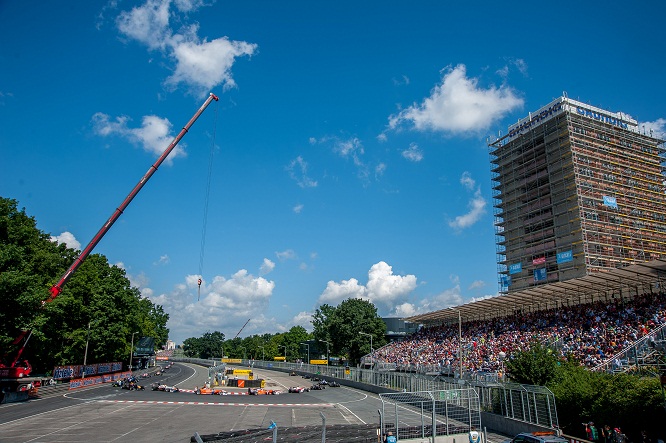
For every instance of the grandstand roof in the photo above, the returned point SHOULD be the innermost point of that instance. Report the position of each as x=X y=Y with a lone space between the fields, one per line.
x=622 y=282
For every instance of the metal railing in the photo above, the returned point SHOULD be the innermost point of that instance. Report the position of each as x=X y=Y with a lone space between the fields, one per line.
x=427 y=414
x=635 y=355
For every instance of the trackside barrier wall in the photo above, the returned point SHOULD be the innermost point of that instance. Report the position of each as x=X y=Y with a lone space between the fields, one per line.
x=99 y=379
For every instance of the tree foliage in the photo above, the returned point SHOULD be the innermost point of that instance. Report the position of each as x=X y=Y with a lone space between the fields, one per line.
x=98 y=294
x=536 y=366
x=347 y=325
x=631 y=402
x=210 y=345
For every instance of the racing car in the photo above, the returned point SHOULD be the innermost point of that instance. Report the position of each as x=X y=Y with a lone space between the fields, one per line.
x=298 y=389
x=210 y=391
x=133 y=386
x=262 y=391
x=165 y=388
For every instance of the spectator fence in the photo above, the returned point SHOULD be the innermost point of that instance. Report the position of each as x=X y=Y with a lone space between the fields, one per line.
x=427 y=414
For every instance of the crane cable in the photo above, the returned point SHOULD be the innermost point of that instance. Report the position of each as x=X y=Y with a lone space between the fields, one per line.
x=206 y=200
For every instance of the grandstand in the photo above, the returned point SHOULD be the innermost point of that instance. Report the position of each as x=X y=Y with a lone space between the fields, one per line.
x=593 y=334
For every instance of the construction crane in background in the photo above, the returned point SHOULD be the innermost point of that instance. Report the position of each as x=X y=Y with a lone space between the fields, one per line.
x=241 y=329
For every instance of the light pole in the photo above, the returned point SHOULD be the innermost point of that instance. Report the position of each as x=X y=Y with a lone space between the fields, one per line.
x=244 y=354
x=262 y=352
x=327 y=343
x=285 y=352
x=132 y=351
x=85 y=355
x=460 y=356
x=308 y=345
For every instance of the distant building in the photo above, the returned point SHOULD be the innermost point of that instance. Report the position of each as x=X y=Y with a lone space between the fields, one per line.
x=398 y=329
x=144 y=353
x=578 y=191
x=170 y=345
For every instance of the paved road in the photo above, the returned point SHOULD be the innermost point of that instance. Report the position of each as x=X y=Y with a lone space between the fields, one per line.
x=108 y=414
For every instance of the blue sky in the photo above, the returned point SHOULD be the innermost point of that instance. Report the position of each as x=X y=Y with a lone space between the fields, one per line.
x=349 y=143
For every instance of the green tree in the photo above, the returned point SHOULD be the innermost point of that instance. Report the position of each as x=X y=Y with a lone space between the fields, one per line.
x=98 y=294
x=209 y=345
x=348 y=319
x=535 y=366
x=629 y=401
x=321 y=322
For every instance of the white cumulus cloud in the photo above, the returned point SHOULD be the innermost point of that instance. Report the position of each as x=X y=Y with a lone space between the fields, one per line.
x=68 y=239
x=656 y=128
x=153 y=136
x=226 y=303
x=458 y=105
x=384 y=289
x=445 y=299
x=476 y=205
x=267 y=266
x=200 y=64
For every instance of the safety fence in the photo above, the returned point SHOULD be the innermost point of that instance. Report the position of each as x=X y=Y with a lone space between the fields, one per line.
x=428 y=414
x=528 y=403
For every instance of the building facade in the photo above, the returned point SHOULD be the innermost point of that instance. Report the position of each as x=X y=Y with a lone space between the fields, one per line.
x=577 y=190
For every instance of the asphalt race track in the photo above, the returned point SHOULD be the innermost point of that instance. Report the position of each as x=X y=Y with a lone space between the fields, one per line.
x=111 y=414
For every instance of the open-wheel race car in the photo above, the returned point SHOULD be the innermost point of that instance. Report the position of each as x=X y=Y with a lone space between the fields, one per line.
x=298 y=389
x=164 y=388
x=262 y=391
x=133 y=386
x=210 y=391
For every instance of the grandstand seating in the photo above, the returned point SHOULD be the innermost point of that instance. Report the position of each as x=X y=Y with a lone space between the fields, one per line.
x=592 y=334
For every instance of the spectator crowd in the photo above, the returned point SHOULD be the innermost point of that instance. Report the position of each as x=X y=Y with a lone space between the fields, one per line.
x=592 y=334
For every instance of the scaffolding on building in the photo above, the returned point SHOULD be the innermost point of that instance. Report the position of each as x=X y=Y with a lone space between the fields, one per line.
x=575 y=194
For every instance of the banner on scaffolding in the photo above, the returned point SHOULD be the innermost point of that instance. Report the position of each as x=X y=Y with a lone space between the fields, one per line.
x=540 y=274
x=564 y=256
x=610 y=201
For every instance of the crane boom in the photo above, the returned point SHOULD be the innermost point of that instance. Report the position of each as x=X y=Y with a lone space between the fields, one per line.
x=241 y=329
x=57 y=288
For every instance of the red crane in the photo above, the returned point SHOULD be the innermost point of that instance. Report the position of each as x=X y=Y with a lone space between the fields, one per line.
x=16 y=370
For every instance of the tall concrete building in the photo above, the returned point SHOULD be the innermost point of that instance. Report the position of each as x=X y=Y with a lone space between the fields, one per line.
x=578 y=190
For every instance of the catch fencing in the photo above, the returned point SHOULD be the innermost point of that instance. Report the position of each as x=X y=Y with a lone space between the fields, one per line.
x=528 y=403
x=428 y=414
